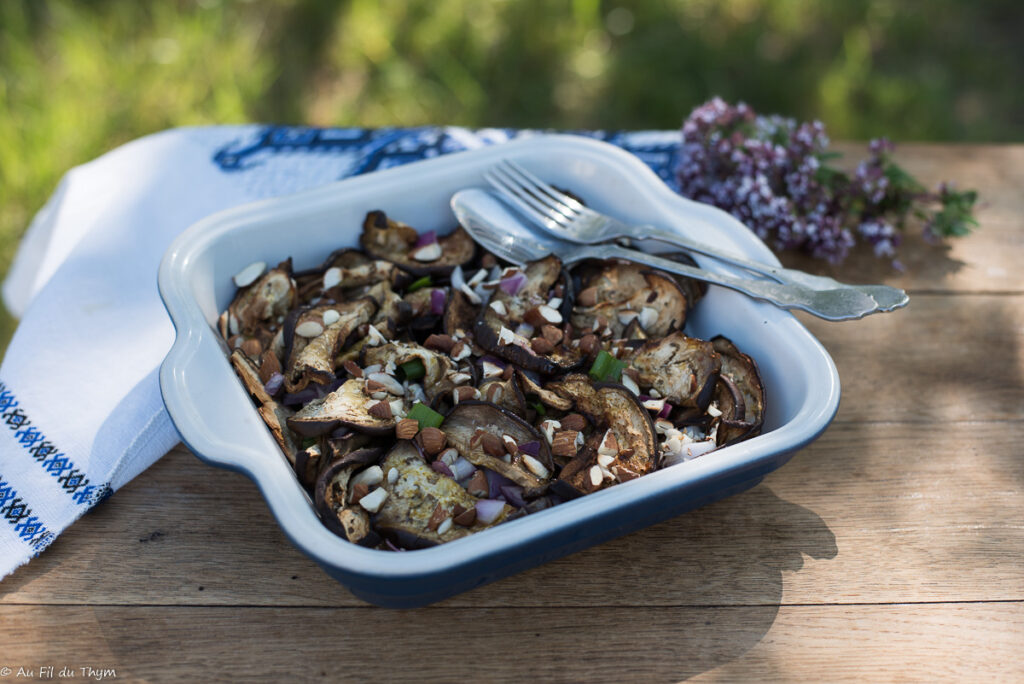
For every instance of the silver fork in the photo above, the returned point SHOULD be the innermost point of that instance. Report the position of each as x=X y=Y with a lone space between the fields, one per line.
x=490 y=221
x=568 y=219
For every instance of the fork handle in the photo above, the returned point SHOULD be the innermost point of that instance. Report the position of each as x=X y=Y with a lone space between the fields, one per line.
x=837 y=304
x=779 y=273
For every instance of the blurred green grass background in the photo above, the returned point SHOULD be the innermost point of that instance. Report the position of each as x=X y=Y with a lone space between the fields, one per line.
x=79 y=78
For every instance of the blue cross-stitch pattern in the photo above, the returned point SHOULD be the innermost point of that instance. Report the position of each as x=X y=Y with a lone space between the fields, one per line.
x=29 y=528
x=71 y=479
x=381 y=148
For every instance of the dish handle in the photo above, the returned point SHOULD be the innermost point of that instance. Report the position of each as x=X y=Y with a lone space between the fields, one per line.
x=197 y=373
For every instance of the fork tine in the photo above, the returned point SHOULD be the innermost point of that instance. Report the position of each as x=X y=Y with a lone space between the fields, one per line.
x=543 y=193
x=527 y=204
x=529 y=194
x=552 y=192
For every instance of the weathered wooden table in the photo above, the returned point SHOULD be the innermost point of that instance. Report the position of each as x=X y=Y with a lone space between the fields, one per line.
x=892 y=548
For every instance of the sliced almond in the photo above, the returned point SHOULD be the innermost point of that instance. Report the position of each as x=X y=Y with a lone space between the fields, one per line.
x=381 y=410
x=648 y=317
x=309 y=329
x=371 y=476
x=252 y=348
x=541 y=346
x=510 y=444
x=477 y=485
x=551 y=334
x=248 y=275
x=332 y=277
x=492 y=445
x=441 y=343
x=466 y=518
x=407 y=428
x=536 y=467
x=428 y=252
x=353 y=368
x=573 y=421
x=374 y=500
x=587 y=297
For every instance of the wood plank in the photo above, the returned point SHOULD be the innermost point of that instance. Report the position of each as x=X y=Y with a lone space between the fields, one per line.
x=944 y=359
x=986 y=261
x=880 y=513
x=916 y=642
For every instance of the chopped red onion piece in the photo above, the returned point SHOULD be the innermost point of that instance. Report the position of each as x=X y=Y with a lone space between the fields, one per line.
x=392 y=546
x=488 y=510
x=461 y=468
x=331 y=386
x=531 y=448
x=495 y=481
x=643 y=398
x=428 y=238
x=301 y=397
x=665 y=410
x=437 y=300
x=493 y=359
x=513 y=284
x=440 y=466
x=274 y=384
x=514 y=495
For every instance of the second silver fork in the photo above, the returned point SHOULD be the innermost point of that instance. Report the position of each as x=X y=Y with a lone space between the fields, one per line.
x=569 y=219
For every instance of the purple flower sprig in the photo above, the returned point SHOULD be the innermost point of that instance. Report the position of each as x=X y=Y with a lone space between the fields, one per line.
x=772 y=173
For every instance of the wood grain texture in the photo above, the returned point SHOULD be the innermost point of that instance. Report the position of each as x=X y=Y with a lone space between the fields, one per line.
x=878 y=513
x=889 y=549
x=745 y=643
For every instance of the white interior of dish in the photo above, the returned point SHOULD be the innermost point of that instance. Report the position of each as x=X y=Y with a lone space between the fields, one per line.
x=800 y=379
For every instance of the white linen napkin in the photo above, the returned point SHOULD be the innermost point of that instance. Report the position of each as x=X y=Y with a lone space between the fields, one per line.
x=80 y=406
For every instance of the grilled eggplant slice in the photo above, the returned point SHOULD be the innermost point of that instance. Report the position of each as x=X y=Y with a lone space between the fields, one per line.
x=273 y=414
x=740 y=394
x=496 y=325
x=394 y=241
x=261 y=303
x=415 y=495
x=330 y=495
x=530 y=386
x=504 y=393
x=612 y=408
x=250 y=376
x=465 y=421
x=350 y=269
x=683 y=369
x=311 y=359
x=437 y=367
x=616 y=293
x=346 y=406
x=459 y=314
x=693 y=289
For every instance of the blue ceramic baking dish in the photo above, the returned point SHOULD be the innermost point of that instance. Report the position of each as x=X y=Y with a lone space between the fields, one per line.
x=217 y=420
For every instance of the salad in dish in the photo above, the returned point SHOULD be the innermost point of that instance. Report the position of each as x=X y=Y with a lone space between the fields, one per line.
x=423 y=390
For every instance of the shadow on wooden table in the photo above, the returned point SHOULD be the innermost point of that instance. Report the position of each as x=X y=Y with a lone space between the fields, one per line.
x=670 y=602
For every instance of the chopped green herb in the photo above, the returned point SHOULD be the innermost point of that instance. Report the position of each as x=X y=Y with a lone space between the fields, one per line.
x=425 y=416
x=606 y=368
x=413 y=370
x=419 y=284
x=539 y=408
x=308 y=442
